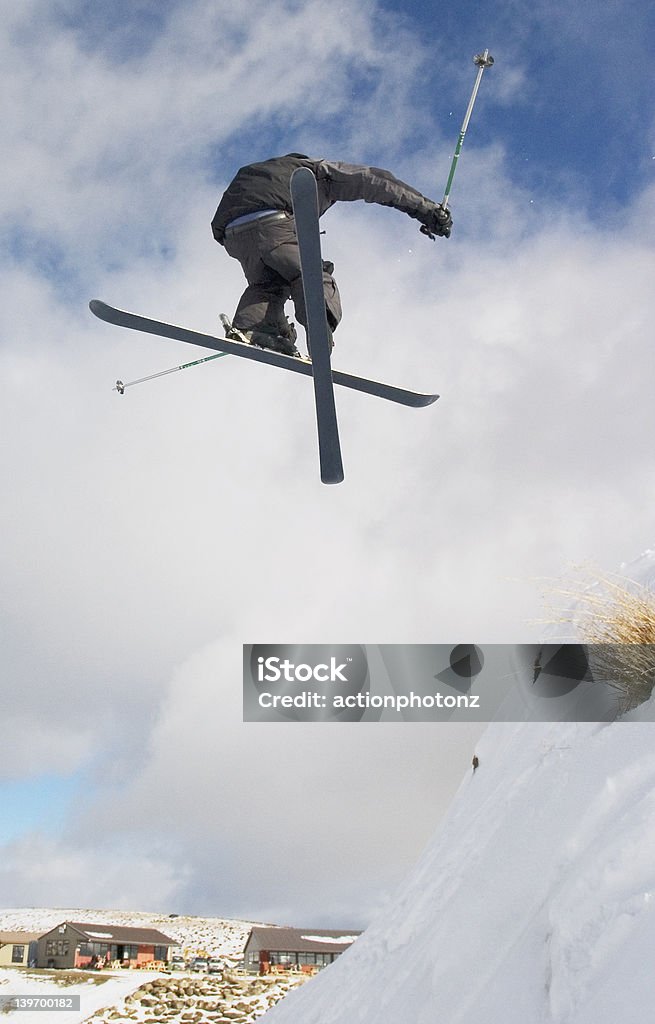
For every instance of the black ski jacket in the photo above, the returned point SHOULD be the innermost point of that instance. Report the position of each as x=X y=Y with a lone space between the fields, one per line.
x=267 y=186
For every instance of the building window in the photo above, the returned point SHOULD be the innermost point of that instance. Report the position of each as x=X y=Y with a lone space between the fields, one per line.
x=18 y=954
x=161 y=952
x=56 y=947
x=93 y=948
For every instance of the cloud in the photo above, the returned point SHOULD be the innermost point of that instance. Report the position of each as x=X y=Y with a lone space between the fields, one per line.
x=102 y=139
x=145 y=538
x=256 y=823
x=35 y=869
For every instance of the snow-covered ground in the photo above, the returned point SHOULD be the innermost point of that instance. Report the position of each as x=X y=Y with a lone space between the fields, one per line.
x=133 y=998
x=535 y=902
x=94 y=992
x=213 y=936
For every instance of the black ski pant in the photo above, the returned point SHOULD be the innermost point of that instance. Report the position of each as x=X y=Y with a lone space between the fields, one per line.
x=269 y=255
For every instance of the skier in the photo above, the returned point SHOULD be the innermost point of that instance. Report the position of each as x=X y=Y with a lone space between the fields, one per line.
x=475 y=762
x=254 y=222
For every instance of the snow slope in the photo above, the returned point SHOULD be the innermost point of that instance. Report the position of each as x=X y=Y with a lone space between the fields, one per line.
x=535 y=902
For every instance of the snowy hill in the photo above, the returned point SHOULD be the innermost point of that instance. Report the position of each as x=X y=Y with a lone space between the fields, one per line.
x=535 y=902
x=215 y=936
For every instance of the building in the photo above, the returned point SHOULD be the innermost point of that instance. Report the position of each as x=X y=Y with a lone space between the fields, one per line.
x=274 y=948
x=91 y=945
x=18 y=949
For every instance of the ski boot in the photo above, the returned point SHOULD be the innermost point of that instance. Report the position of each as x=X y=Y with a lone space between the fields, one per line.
x=283 y=343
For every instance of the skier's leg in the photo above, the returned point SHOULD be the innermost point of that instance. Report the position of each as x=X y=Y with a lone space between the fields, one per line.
x=332 y=304
x=261 y=307
x=270 y=258
x=285 y=260
x=332 y=296
x=260 y=311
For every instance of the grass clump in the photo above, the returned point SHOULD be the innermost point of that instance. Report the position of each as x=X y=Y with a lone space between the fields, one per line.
x=615 y=618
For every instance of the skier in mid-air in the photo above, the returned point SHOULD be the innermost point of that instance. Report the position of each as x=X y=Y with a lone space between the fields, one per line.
x=254 y=222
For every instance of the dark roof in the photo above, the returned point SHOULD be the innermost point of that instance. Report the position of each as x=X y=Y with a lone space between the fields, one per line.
x=119 y=933
x=302 y=940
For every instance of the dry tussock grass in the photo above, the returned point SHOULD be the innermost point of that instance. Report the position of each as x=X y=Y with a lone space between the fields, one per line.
x=616 y=619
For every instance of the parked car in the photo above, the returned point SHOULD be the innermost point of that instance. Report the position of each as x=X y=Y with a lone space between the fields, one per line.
x=177 y=963
x=214 y=965
x=200 y=964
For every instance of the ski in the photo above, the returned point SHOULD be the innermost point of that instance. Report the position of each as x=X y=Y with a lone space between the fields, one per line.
x=304 y=197
x=135 y=322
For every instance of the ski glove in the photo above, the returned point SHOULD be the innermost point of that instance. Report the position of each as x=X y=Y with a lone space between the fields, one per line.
x=437 y=221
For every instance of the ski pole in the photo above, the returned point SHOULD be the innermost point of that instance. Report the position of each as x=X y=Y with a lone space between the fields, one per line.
x=483 y=60
x=120 y=387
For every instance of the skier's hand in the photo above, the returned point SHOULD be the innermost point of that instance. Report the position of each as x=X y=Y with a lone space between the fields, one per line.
x=437 y=221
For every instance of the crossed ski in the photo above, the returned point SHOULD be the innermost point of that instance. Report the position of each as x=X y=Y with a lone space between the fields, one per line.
x=304 y=196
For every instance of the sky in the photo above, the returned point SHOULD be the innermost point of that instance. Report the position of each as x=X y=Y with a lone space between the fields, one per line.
x=145 y=538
